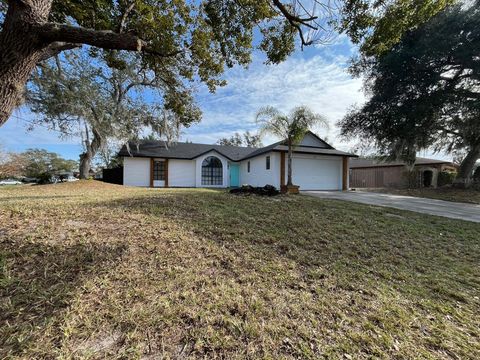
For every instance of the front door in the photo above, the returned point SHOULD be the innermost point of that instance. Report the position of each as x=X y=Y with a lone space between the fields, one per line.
x=234 y=175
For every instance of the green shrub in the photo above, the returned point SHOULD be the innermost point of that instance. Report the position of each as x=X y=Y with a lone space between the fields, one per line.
x=44 y=178
x=446 y=178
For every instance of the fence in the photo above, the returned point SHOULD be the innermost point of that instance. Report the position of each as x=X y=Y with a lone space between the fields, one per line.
x=113 y=176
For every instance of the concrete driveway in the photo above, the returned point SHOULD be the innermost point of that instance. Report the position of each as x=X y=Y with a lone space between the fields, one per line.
x=454 y=210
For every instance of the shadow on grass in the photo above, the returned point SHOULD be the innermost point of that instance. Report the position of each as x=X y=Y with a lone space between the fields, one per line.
x=36 y=285
x=415 y=254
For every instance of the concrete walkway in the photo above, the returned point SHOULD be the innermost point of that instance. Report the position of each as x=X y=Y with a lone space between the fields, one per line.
x=454 y=210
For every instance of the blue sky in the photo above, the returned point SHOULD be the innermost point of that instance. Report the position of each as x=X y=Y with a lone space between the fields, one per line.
x=315 y=77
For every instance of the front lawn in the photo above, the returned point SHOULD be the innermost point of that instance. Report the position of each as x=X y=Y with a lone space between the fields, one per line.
x=471 y=196
x=90 y=270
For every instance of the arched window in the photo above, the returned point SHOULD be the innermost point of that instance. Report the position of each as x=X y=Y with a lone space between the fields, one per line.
x=212 y=171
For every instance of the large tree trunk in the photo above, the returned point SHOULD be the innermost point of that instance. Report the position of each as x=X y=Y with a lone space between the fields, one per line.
x=91 y=150
x=20 y=50
x=85 y=164
x=464 y=176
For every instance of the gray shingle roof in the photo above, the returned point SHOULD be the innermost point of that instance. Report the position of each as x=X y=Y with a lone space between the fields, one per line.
x=180 y=150
x=362 y=163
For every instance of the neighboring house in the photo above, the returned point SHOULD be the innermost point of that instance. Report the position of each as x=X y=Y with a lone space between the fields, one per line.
x=372 y=173
x=316 y=165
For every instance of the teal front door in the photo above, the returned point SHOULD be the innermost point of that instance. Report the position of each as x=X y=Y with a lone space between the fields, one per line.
x=234 y=175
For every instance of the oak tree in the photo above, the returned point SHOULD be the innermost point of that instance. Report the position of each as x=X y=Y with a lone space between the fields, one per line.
x=424 y=92
x=376 y=26
x=98 y=104
x=178 y=40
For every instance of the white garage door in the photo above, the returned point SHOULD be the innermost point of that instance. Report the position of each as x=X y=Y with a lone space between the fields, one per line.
x=315 y=173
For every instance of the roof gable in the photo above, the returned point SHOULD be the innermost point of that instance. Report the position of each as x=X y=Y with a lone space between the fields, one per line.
x=312 y=140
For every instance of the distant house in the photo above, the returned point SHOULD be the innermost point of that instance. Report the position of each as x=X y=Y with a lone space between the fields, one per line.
x=316 y=165
x=372 y=173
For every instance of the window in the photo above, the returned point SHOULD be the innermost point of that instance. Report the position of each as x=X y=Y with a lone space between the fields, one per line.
x=212 y=171
x=248 y=166
x=267 y=163
x=159 y=170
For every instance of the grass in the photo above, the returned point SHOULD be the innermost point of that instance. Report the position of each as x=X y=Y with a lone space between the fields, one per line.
x=471 y=196
x=90 y=270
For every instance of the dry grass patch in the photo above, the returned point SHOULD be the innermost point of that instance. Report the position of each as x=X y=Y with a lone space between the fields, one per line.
x=90 y=270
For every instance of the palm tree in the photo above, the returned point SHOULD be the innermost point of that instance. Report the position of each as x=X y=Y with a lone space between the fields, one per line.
x=292 y=127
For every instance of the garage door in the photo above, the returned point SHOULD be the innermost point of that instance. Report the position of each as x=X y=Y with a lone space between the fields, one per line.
x=315 y=173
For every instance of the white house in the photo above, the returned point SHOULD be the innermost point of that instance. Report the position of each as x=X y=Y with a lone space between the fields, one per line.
x=315 y=166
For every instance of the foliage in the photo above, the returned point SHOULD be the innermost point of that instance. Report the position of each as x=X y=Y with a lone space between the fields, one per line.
x=87 y=99
x=40 y=163
x=178 y=41
x=91 y=270
x=267 y=190
x=12 y=165
x=424 y=91
x=108 y=157
x=246 y=139
x=446 y=178
x=290 y=127
x=377 y=26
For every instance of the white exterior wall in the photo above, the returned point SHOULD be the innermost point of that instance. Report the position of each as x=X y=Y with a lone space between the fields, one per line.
x=136 y=171
x=259 y=175
x=316 y=172
x=181 y=173
x=348 y=173
x=198 y=170
x=310 y=172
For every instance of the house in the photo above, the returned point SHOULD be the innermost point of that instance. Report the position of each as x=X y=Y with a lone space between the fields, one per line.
x=376 y=173
x=316 y=165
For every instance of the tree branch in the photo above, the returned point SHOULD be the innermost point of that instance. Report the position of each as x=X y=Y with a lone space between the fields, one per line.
x=296 y=21
x=123 y=20
x=51 y=32
x=56 y=48
x=294 y=18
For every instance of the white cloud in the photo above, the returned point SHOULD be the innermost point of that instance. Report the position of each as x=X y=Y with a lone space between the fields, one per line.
x=320 y=83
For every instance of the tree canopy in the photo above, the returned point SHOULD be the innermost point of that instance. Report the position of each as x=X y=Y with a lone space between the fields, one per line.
x=376 y=26
x=424 y=92
x=99 y=104
x=246 y=139
x=34 y=163
x=177 y=40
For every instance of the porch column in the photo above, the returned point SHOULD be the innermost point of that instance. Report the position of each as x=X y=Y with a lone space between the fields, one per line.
x=345 y=173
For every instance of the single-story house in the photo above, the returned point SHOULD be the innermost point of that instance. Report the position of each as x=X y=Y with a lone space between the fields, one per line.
x=377 y=173
x=316 y=165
